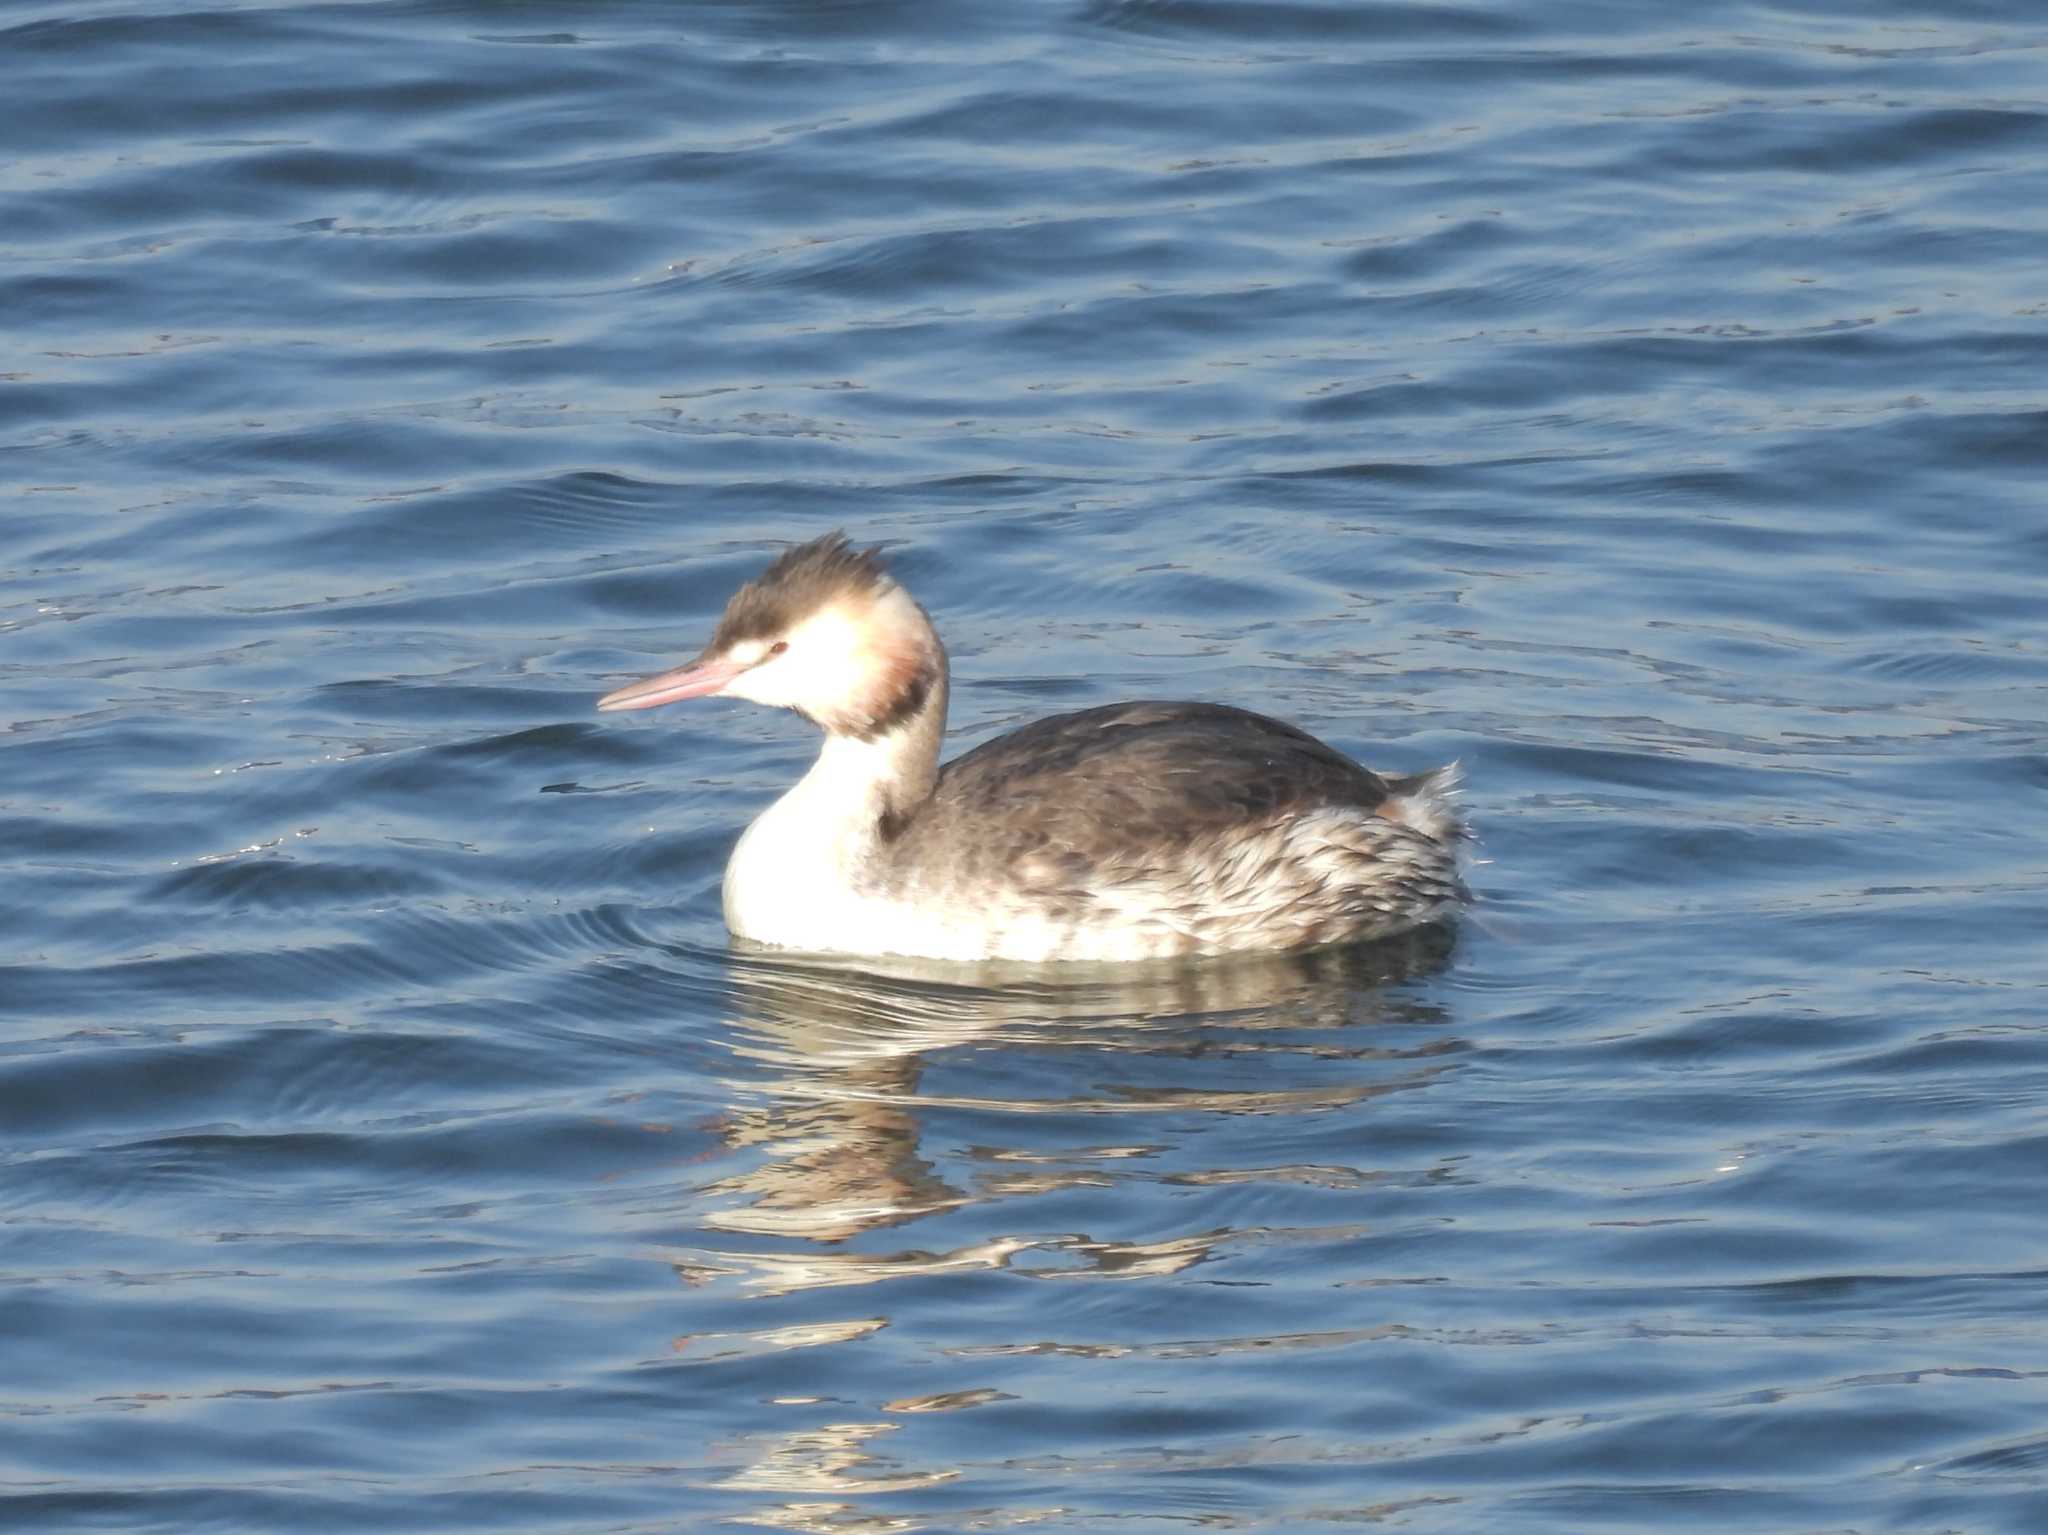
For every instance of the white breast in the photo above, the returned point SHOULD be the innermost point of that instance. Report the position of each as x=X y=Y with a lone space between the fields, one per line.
x=804 y=876
x=796 y=878
x=789 y=885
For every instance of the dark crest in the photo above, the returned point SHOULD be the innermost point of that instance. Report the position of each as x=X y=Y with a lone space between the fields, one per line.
x=801 y=581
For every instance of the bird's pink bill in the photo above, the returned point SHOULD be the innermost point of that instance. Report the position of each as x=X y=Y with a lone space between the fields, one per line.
x=699 y=679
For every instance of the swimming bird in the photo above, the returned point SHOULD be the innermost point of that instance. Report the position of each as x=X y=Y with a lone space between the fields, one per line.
x=1132 y=831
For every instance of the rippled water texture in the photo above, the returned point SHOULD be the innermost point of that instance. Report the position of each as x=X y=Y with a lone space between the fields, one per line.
x=1647 y=405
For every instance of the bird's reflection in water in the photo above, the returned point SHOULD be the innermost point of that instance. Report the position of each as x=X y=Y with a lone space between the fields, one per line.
x=840 y=1068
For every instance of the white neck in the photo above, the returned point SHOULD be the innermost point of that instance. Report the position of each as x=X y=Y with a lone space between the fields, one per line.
x=856 y=783
x=804 y=857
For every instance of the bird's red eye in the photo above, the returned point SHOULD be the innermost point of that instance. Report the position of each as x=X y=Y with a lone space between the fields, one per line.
x=778 y=647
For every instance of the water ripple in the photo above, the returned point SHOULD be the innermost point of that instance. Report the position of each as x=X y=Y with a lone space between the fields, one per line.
x=1643 y=408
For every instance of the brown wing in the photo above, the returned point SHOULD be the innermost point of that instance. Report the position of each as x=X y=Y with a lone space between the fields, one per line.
x=1102 y=786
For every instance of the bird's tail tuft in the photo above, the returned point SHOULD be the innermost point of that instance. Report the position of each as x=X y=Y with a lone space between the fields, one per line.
x=1428 y=802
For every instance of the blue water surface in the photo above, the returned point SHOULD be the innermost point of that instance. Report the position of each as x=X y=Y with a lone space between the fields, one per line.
x=1645 y=405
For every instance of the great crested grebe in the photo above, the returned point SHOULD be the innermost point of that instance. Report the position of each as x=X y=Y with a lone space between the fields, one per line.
x=1132 y=831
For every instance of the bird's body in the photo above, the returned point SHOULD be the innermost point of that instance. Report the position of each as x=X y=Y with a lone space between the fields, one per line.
x=1133 y=831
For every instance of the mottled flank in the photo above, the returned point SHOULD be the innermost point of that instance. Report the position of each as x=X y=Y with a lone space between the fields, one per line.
x=801 y=581
x=1162 y=828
